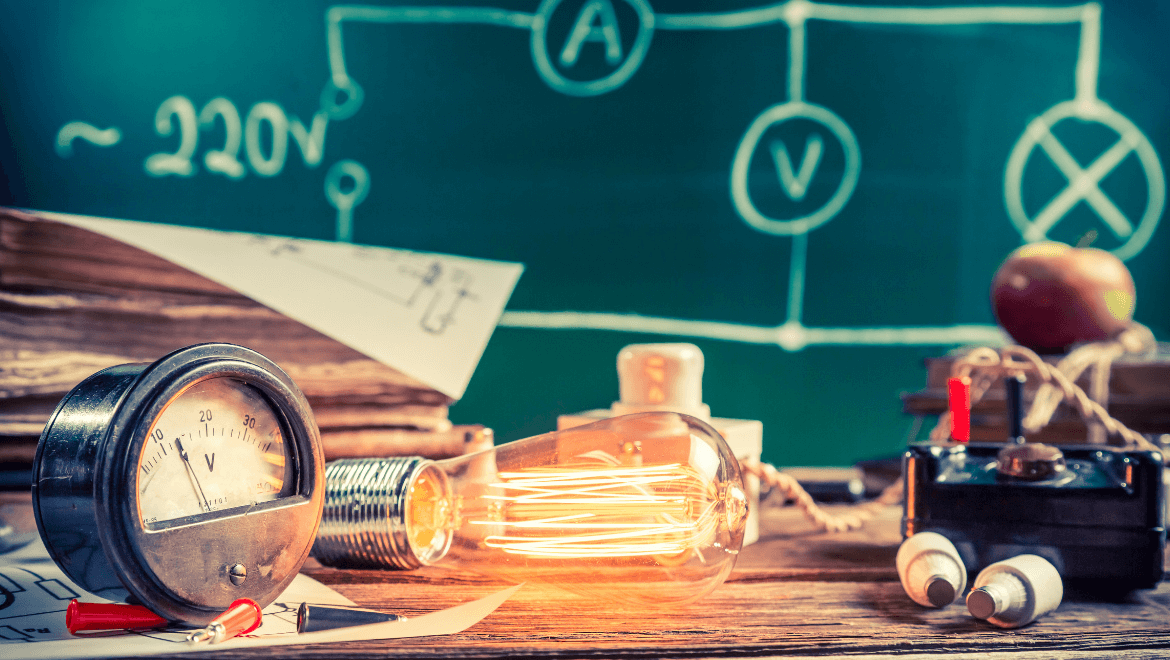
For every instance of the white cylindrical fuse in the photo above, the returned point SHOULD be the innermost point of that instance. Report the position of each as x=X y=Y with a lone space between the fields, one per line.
x=654 y=377
x=931 y=570
x=1016 y=591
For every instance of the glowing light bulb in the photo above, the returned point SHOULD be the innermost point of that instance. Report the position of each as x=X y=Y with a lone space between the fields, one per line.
x=646 y=508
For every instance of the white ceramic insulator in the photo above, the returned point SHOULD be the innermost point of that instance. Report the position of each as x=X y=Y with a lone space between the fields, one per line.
x=661 y=377
x=1016 y=591
x=931 y=570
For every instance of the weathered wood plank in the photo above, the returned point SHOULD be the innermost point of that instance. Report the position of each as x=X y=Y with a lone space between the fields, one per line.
x=795 y=593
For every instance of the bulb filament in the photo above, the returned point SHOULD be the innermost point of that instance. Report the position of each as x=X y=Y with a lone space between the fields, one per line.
x=602 y=511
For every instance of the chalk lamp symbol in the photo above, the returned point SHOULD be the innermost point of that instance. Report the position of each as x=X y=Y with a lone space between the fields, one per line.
x=794 y=180
x=1084 y=182
x=344 y=201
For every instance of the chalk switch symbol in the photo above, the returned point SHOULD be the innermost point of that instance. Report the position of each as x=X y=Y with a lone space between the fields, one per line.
x=796 y=183
x=343 y=201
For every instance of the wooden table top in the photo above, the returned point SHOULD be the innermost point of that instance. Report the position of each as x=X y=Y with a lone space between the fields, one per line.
x=796 y=592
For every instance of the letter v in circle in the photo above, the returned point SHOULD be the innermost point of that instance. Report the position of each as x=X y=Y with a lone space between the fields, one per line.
x=796 y=183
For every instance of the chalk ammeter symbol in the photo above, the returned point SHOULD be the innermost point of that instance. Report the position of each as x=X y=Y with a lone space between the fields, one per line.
x=595 y=29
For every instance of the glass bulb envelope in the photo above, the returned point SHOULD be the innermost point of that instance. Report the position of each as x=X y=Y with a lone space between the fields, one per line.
x=646 y=508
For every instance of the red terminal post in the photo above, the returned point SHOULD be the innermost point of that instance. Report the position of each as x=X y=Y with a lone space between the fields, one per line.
x=240 y=618
x=959 y=400
x=109 y=616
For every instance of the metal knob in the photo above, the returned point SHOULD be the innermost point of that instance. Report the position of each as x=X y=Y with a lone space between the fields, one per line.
x=1033 y=461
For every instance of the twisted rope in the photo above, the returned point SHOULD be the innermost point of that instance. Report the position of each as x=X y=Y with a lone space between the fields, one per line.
x=985 y=366
x=1098 y=356
x=823 y=520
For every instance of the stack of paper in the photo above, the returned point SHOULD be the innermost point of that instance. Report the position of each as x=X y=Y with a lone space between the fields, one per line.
x=381 y=341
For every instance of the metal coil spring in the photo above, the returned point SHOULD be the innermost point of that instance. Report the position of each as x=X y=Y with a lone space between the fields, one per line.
x=363 y=524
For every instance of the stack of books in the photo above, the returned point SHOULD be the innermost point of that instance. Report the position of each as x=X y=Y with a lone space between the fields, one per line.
x=1139 y=397
x=73 y=302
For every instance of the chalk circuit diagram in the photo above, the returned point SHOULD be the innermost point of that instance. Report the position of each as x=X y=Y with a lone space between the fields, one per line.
x=347 y=182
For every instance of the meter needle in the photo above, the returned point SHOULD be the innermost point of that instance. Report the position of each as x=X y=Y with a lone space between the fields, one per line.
x=191 y=473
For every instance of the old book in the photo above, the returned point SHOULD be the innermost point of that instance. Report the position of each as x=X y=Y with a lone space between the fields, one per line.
x=74 y=301
x=1139 y=387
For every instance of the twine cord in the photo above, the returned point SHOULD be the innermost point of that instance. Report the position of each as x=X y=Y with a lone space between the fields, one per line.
x=985 y=367
x=824 y=521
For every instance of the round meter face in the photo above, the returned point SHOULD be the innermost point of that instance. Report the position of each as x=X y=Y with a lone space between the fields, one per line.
x=185 y=484
x=218 y=445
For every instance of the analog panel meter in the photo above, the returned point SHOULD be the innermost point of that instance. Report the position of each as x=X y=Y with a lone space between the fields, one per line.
x=184 y=484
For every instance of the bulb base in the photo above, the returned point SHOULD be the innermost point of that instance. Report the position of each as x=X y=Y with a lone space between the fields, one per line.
x=364 y=524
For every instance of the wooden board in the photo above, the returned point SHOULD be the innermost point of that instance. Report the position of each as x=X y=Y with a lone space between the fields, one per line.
x=797 y=592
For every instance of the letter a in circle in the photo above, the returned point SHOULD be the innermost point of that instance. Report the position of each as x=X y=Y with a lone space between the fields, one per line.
x=584 y=29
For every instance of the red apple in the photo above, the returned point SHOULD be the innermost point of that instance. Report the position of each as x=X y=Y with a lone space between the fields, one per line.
x=1048 y=296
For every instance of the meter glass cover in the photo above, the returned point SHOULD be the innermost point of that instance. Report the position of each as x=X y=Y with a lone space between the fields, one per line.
x=218 y=445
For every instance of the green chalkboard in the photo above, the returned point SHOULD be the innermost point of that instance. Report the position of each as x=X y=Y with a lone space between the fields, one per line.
x=816 y=195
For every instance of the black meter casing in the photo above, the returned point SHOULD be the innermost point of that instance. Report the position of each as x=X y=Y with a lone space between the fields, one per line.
x=1099 y=521
x=86 y=505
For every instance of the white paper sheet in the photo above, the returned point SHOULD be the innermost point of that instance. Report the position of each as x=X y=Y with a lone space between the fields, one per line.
x=427 y=315
x=34 y=593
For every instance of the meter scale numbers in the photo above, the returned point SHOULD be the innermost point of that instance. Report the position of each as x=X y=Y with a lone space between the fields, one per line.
x=218 y=445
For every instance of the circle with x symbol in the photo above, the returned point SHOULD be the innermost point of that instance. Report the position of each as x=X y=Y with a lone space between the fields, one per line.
x=1084 y=182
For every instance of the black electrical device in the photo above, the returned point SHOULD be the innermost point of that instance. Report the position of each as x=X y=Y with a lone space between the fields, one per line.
x=1099 y=521
x=1097 y=513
